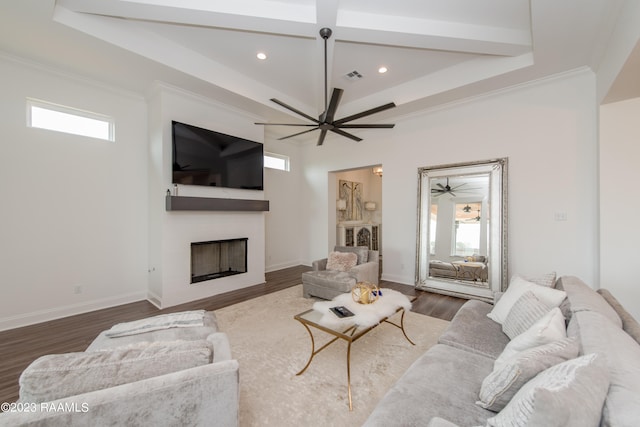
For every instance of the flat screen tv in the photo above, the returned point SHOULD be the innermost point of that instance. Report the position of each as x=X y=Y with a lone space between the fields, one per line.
x=214 y=159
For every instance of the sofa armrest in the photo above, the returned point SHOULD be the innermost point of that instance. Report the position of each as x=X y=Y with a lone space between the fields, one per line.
x=204 y=395
x=367 y=272
x=319 y=265
x=221 y=346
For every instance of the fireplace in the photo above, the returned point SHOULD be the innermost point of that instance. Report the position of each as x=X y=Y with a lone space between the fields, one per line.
x=218 y=258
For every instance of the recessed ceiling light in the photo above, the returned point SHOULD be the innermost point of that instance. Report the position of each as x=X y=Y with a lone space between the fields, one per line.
x=382 y=70
x=261 y=55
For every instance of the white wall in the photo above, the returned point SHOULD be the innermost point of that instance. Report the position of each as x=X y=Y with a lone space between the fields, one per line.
x=620 y=204
x=547 y=130
x=171 y=233
x=283 y=222
x=74 y=209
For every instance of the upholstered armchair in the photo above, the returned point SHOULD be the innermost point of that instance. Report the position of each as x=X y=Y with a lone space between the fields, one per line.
x=340 y=271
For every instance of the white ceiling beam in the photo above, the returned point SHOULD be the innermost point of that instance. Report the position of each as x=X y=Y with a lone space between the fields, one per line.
x=274 y=20
x=421 y=33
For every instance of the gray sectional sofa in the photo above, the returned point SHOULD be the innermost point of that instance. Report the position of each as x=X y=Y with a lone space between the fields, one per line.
x=183 y=376
x=442 y=387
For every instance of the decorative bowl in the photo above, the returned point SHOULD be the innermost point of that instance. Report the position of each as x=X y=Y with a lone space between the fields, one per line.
x=365 y=293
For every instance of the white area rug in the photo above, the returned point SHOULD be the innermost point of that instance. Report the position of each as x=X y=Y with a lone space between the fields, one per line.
x=272 y=347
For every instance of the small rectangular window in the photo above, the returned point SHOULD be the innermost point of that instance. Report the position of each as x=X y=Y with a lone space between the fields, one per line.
x=276 y=161
x=45 y=115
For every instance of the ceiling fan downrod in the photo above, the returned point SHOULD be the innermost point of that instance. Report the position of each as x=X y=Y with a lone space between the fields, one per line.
x=325 y=33
x=327 y=122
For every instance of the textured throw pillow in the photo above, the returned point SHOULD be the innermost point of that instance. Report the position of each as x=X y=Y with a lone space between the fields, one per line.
x=518 y=286
x=549 y=328
x=56 y=376
x=341 y=261
x=547 y=280
x=502 y=384
x=570 y=394
x=524 y=313
x=361 y=251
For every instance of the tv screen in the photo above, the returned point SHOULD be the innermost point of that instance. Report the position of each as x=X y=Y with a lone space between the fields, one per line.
x=214 y=159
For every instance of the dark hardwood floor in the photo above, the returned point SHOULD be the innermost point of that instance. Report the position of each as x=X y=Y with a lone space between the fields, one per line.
x=20 y=346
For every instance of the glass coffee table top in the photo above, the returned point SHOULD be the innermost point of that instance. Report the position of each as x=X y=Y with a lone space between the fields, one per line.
x=345 y=329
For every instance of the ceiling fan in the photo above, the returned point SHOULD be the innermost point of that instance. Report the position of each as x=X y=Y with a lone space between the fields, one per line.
x=445 y=189
x=326 y=122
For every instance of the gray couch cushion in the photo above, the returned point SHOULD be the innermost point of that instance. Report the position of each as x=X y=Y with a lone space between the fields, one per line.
x=103 y=342
x=56 y=376
x=336 y=280
x=629 y=324
x=597 y=335
x=583 y=298
x=444 y=382
x=473 y=331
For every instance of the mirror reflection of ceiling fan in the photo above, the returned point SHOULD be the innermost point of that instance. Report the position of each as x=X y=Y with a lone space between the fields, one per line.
x=327 y=122
x=445 y=189
x=438 y=189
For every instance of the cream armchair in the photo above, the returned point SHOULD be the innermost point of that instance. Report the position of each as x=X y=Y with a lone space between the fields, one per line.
x=327 y=284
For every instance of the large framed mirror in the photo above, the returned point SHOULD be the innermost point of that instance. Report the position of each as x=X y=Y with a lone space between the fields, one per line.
x=462 y=229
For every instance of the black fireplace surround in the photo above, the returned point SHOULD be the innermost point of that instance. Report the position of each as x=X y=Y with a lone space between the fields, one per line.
x=218 y=258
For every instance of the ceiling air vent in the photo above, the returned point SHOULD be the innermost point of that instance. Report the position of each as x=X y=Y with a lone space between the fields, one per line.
x=354 y=75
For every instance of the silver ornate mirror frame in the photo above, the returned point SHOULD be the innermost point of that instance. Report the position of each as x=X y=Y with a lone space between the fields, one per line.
x=494 y=213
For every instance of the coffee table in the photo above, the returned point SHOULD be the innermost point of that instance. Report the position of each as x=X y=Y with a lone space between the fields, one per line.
x=348 y=331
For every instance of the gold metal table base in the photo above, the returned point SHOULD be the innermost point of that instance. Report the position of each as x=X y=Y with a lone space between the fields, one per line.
x=350 y=335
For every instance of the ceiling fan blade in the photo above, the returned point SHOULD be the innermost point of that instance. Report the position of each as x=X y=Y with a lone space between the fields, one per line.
x=366 y=113
x=386 y=126
x=345 y=134
x=327 y=116
x=452 y=194
x=441 y=186
x=299 y=133
x=288 y=107
x=285 y=124
x=323 y=134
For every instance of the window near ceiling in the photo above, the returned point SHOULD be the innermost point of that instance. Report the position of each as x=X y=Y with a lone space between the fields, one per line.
x=59 y=118
x=276 y=161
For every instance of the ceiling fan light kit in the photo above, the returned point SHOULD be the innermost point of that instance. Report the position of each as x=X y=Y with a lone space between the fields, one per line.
x=326 y=122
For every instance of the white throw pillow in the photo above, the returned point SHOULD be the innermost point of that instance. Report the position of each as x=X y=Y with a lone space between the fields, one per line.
x=549 y=328
x=569 y=394
x=499 y=387
x=524 y=313
x=548 y=280
x=518 y=286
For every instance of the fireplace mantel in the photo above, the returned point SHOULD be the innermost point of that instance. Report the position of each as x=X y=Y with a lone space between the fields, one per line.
x=183 y=203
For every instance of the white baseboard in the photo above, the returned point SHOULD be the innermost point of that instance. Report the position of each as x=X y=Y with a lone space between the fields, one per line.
x=40 y=316
x=154 y=299
x=398 y=279
x=281 y=266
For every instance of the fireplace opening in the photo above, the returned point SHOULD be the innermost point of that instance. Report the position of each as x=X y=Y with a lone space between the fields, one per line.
x=218 y=258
